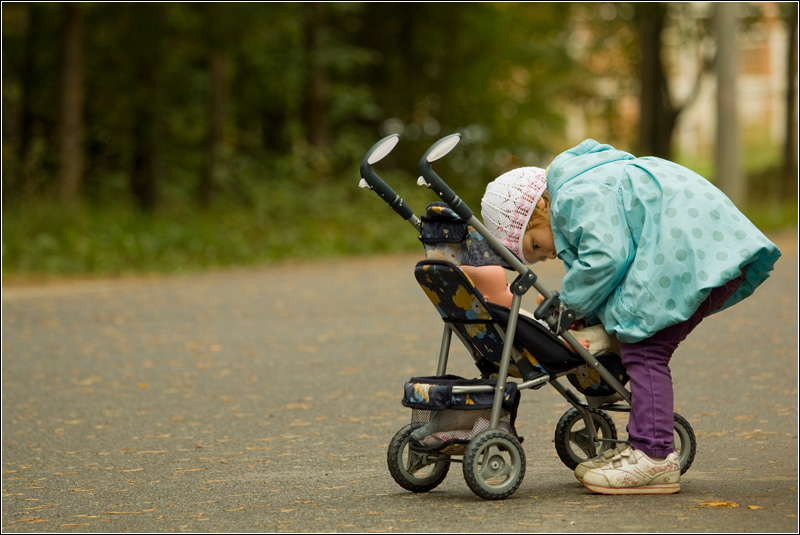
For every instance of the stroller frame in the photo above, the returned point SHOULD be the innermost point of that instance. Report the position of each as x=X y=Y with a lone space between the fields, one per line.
x=481 y=462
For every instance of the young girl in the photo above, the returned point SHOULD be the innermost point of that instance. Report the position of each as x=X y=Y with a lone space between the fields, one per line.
x=650 y=249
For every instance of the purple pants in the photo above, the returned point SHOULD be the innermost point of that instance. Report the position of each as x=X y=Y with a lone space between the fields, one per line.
x=650 y=426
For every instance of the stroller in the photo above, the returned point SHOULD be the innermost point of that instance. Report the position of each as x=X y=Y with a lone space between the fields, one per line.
x=471 y=421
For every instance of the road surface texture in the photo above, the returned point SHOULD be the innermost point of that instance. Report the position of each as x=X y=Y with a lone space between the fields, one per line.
x=263 y=400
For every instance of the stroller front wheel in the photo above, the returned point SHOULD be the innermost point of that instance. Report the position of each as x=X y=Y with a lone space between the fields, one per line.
x=494 y=465
x=410 y=469
x=573 y=441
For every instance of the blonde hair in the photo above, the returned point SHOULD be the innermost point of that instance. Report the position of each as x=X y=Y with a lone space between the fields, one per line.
x=541 y=214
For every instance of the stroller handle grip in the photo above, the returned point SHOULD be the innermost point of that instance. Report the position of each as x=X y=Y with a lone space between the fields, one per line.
x=378 y=151
x=437 y=151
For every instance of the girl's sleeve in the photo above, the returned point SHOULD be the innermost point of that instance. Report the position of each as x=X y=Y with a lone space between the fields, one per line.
x=592 y=220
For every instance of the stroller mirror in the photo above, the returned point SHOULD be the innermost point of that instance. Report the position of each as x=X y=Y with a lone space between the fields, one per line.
x=370 y=180
x=442 y=148
x=383 y=147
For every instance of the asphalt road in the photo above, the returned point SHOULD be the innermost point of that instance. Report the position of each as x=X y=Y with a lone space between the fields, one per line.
x=264 y=400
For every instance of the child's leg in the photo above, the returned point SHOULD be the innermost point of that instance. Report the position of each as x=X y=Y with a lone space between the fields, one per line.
x=647 y=363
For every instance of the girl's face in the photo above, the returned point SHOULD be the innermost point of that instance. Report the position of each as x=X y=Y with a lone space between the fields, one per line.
x=538 y=244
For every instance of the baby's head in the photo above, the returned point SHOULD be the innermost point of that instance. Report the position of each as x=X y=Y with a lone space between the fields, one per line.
x=516 y=210
x=491 y=282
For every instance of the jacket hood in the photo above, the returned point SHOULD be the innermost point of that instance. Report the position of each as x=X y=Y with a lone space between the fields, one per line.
x=579 y=159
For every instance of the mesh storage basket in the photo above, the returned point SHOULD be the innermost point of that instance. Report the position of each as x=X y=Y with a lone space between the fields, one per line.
x=447 y=421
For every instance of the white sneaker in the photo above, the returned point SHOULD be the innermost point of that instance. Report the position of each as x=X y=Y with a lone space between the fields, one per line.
x=598 y=462
x=633 y=472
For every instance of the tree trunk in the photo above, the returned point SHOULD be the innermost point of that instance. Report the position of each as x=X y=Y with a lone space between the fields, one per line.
x=28 y=81
x=789 y=173
x=145 y=174
x=146 y=163
x=729 y=176
x=71 y=131
x=217 y=68
x=317 y=97
x=657 y=115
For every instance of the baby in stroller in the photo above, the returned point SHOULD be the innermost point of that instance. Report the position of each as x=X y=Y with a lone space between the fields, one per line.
x=491 y=281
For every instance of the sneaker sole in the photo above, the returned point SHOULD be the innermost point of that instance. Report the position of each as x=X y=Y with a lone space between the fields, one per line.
x=581 y=477
x=666 y=488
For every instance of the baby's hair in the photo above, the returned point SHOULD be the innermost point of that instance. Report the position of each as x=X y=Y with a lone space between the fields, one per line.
x=541 y=214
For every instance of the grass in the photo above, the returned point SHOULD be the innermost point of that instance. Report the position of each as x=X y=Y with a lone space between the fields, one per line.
x=46 y=239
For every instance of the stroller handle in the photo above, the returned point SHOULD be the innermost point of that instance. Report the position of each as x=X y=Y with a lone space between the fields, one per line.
x=370 y=180
x=436 y=152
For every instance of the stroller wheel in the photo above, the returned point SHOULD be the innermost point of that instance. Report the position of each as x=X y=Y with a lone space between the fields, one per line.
x=685 y=443
x=413 y=470
x=573 y=442
x=494 y=465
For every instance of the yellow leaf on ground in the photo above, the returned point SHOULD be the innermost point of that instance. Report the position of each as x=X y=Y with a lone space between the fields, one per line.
x=715 y=503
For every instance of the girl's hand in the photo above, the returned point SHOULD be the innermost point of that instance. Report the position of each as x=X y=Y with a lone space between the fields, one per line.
x=577 y=325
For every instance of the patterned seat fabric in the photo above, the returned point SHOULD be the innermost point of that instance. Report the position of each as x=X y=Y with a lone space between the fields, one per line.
x=461 y=304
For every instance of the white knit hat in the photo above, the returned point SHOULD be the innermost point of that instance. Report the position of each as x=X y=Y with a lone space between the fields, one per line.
x=507 y=205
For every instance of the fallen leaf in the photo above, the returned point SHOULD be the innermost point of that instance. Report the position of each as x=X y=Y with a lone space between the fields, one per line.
x=754 y=507
x=121 y=512
x=720 y=504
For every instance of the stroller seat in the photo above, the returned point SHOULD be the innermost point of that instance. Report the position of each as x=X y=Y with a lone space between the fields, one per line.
x=481 y=326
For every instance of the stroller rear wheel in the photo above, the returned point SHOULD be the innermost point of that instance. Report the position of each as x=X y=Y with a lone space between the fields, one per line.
x=494 y=465
x=685 y=443
x=413 y=470
x=574 y=445
x=573 y=442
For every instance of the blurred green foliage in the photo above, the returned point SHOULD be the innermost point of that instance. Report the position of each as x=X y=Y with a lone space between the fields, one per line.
x=219 y=134
x=49 y=239
x=293 y=222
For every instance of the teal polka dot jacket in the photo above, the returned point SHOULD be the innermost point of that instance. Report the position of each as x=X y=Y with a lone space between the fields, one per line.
x=645 y=240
